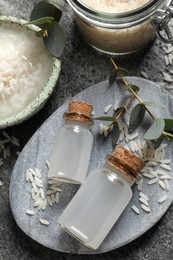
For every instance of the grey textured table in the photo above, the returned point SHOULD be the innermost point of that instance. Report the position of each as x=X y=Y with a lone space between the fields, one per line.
x=81 y=68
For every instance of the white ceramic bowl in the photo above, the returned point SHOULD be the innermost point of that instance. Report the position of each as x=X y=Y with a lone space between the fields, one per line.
x=47 y=89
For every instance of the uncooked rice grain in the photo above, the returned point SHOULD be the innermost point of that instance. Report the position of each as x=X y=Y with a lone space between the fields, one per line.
x=145 y=208
x=163 y=198
x=143 y=201
x=30 y=212
x=165 y=177
x=153 y=181
x=44 y=222
x=167 y=186
x=107 y=108
x=162 y=184
x=135 y=209
x=165 y=166
x=142 y=195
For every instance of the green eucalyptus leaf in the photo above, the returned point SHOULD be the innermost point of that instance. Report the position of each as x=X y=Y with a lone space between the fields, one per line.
x=137 y=116
x=55 y=41
x=112 y=77
x=154 y=104
x=104 y=118
x=168 y=124
x=131 y=86
x=117 y=112
x=158 y=142
x=47 y=19
x=155 y=130
x=45 y=9
x=123 y=69
x=60 y=6
x=115 y=133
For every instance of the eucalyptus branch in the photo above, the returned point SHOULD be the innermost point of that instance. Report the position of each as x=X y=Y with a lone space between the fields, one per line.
x=160 y=127
x=130 y=88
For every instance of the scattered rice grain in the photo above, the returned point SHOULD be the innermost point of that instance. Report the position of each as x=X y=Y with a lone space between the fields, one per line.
x=107 y=108
x=167 y=186
x=165 y=166
x=142 y=195
x=30 y=212
x=162 y=184
x=135 y=209
x=162 y=199
x=145 y=208
x=44 y=222
x=143 y=201
x=153 y=181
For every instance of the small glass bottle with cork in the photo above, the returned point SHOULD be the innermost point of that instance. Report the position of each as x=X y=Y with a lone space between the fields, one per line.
x=99 y=202
x=71 y=154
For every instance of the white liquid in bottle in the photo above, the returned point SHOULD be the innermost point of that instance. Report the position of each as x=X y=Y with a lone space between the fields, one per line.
x=70 y=158
x=98 y=203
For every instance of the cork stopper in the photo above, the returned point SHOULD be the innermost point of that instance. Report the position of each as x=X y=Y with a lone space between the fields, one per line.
x=80 y=111
x=126 y=161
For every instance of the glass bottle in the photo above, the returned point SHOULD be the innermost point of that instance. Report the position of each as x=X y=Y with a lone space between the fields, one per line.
x=99 y=202
x=108 y=32
x=71 y=154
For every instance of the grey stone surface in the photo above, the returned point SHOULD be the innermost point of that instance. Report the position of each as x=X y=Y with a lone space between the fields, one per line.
x=81 y=68
x=39 y=149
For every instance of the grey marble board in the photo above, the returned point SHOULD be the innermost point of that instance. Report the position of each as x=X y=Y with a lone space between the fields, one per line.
x=39 y=149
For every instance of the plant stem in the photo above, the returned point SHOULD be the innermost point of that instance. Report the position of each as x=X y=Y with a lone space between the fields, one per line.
x=125 y=108
x=133 y=92
x=119 y=73
x=167 y=134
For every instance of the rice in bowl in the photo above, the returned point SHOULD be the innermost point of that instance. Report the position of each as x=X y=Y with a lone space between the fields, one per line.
x=28 y=73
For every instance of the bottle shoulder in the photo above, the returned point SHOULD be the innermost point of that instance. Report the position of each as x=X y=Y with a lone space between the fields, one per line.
x=113 y=175
x=76 y=126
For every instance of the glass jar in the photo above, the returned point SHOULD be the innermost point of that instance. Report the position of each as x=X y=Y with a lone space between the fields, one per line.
x=126 y=32
x=71 y=153
x=99 y=202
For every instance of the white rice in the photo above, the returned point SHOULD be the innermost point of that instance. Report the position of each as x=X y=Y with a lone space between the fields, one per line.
x=145 y=208
x=49 y=200
x=142 y=195
x=107 y=108
x=165 y=161
x=166 y=167
x=147 y=175
x=167 y=186
x=37 y=202
x=49 y=192
x=153 y=181
x=23 y=73
x=101 y=128
x=169 y=50
x=144 y=74
x=163 y=198
x=42 y=194
x=143 y=201
x=112 y=6
x=44 y=222
x=37 y=173
x=165 y=177
x=57 y=198
x=140 y=184
x=162 y=184
x=30 y=212
x=135 y=209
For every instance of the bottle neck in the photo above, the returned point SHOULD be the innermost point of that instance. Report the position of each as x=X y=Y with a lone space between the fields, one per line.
x=121 y=173
x=79 y=123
